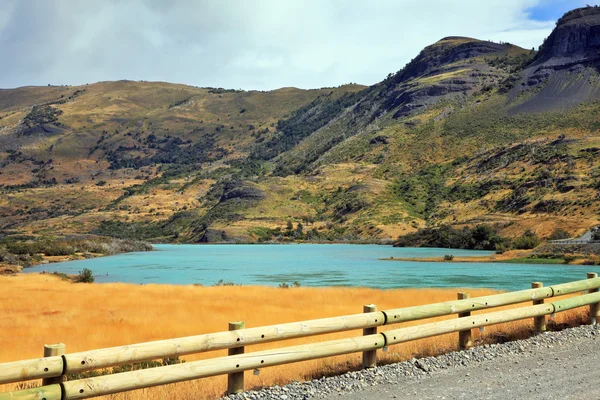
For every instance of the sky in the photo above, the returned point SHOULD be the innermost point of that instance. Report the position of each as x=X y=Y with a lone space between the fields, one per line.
x=248 y=44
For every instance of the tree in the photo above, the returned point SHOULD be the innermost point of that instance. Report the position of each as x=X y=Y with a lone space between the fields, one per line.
x=299 y=232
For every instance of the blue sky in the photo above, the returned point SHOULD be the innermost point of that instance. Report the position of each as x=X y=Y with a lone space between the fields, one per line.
x=554 y=9
x=248 y=44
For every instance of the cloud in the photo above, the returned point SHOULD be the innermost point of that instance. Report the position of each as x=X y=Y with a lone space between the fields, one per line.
x=249 y=44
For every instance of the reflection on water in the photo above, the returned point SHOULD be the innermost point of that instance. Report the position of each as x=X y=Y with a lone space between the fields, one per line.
x=314 y=265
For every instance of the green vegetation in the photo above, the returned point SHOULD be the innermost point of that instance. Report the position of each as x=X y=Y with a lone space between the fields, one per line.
x=31 y=250
x=84 y=276
x=303 y=123
x=133 y=230
x=455 y=140
x=285 y=285
x=527 y=241
x=423 y=191
x=535 y=260
x=480 y=237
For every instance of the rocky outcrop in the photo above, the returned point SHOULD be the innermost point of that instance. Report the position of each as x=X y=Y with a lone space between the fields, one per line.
x=565 y=72
x=42 y=120
x=241 y=190
x=576 y=39
x=446 y=51
x=450 y=67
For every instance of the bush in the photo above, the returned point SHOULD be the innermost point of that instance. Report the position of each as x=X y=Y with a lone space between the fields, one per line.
x=223 y=283
x=84 y=276
x=448 y=257
x=23 y=247
x=569 y=258
x=501 y=248
x=559 y=234
x=58 y=249
x=527 y=241
x=480 y=237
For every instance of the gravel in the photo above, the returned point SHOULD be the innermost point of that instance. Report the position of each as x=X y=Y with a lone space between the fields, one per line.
x=509 y=370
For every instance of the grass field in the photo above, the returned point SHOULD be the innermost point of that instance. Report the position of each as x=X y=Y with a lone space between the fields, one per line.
x=41 y=309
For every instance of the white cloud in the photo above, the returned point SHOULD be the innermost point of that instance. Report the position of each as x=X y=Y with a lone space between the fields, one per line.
x=250 y=44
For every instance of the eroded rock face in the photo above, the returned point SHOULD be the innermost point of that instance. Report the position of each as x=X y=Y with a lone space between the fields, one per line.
x=566 y=70
x=450 y=67
x=447 y=51
x=576 y=39
x=241 y=190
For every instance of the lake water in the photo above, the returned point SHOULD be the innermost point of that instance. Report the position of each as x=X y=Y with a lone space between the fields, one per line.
x=314 y=265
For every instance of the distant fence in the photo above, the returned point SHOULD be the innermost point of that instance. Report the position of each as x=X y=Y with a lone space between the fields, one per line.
x=55 y=365
x=573 y=241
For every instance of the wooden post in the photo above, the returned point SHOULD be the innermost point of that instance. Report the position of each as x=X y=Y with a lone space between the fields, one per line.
x=595 y=307
x=369 y=358
x=235 y=381
x=49 y=351
x=465 y=340
x=539 y=323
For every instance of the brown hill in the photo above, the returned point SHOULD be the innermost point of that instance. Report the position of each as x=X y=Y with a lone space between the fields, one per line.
x=468 y=132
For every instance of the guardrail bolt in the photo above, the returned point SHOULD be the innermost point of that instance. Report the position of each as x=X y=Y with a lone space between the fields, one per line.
x=51 y=350
x=595 y=307
x=539 y=323
x=235 y=381
x=369 y=358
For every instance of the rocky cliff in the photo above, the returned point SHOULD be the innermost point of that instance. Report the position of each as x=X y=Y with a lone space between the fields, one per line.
x=575 y=40
x=565 y=72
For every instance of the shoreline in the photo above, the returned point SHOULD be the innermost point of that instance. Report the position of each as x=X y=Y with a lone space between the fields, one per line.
x=492 y=258
x=509 y=257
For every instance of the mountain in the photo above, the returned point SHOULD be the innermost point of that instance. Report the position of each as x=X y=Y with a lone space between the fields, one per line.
x=468 y=132
x=566 y=67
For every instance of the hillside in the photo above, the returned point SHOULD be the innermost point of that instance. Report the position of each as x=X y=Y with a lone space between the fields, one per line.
x=468 y=132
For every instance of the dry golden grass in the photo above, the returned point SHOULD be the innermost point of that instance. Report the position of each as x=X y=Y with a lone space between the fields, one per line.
x=41 y=309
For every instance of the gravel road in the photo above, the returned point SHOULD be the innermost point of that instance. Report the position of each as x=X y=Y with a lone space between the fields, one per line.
x=555 y=365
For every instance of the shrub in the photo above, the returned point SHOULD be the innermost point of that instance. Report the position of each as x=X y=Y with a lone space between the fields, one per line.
x=527 y=241
x=480 y=237
x=569 y=258
x=84 y=276
x=223 y=283
x=501 y=248
x=559 y=234
x=58 y=249
x=23 y=247
x=448 y=257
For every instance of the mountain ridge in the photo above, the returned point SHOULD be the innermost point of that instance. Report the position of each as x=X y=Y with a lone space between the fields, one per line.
x=468 y=132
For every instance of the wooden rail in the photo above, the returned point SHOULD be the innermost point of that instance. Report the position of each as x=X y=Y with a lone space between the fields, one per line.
x=53 y=368
x=573 y=241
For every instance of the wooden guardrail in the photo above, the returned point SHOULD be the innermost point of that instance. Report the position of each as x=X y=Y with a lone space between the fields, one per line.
x=56 y=364
x=573 y=241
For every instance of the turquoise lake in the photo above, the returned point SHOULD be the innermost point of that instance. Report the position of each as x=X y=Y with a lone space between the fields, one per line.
x=314 y=265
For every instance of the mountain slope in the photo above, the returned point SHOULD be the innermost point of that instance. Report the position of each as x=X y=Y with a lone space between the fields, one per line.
x=565 y=71
x=468 y=132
